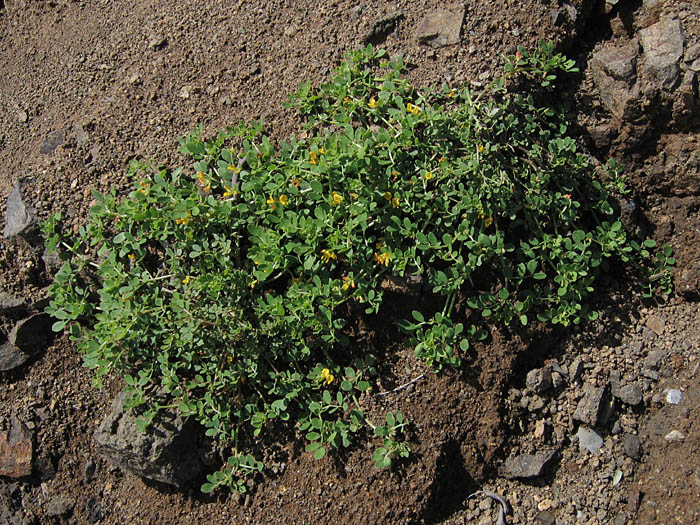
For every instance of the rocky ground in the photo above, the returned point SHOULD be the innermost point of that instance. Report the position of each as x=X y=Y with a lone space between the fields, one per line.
x=595 y=425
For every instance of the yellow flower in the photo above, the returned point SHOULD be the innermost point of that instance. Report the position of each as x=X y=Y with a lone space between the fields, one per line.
x=347 y=100
x=313 y=157
x=184 y=220
x=272 y=202
x=488 y=222
x=348 y=283
x=428 y=175
x=382 y=258
x=295 y=182
x=187 y=279
x=480 y=147
x=412 y=109
x=451 y=94
x=207 y=188
x=372 y=103
x=326 y=376
x=387 y=195
x=284 y=200
x=234 y=169
x=395 y=202
x=132 y=257
x=322 y=151
x=252 y=285
x=327 y=255
x=228 y=192
x=336 y=198
x=354 y=195
x=395 y=173
x=201 y=177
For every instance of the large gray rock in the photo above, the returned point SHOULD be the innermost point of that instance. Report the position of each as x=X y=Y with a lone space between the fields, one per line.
x=614 y=70
x=30 y=334
x=21 y=219
x=527 y=465
x=591 y=408
x=166 y=452
x=11 y=357
x=441 y=27
x=663 y=48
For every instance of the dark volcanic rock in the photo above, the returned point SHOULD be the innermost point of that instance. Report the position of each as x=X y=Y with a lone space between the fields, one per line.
x=165 y=452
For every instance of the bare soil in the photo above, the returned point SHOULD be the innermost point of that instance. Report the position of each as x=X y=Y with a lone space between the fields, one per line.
x=86 y=86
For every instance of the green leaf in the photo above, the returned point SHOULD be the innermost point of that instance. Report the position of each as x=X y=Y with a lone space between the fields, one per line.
x=320 y=453
x=418 y=316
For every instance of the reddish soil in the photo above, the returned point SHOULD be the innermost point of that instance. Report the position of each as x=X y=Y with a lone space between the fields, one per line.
x=114 y=80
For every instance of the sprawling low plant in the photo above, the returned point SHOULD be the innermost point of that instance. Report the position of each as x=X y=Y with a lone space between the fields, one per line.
x=225 y=284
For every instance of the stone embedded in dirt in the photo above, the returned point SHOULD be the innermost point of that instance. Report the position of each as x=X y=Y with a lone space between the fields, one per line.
x=656 y=324
x=527 y=465
x=166 y=452
x=589 y=440
x=539 y=380
x=654 y=359
x=11 y=357
x=663 y=48
x=575 y=368
x=21 y=219
x=9 y=304
x=60 y=506
x=591 y=407
x=674 y=436
x=16 y=451
x=441 y=27
x=157 y=42
x=674 y=396
x=632 y=446
x=30 y=334
x=383 y=27
x=614 y=70
x=93 y=508
x=631 y=394
x=52 y=141
x=685 y=105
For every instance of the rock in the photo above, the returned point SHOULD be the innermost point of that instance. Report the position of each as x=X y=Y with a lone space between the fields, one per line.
x=11 y=357
x=93 y=508
x=674 y=436
x=21 y=218
x=16 y=451
x=674 y=396
x=383 y=27
x=663 y=48
x=441 y=27
x=631 y=394
x=588 y=440
x=9 y=304
x=157 y=42
x=527 y=465
x=89 y=471
x=632 y=446
x=654 y=359
x=165 y=452
x=22 y=116
x=52 y=142
x=60 y=507
x=591 y=407
x=614 y=71
x=575 y=369
x=30 y=334
x=656 y=324
x=545 y=518
x=686 y=101
x=539 y=380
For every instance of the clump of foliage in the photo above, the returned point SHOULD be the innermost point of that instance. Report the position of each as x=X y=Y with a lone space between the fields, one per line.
x=221 y=284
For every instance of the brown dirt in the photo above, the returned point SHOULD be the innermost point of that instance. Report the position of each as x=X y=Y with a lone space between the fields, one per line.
x=120 y=80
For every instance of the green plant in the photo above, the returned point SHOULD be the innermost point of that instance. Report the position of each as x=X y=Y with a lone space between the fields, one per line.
x=225 y=285
x=392 y=446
